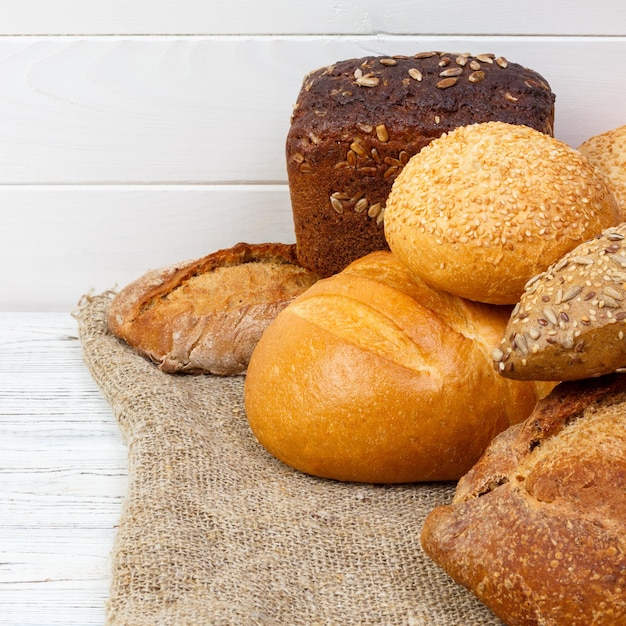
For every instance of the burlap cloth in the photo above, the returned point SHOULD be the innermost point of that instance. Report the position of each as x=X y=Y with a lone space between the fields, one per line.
x=215 y=531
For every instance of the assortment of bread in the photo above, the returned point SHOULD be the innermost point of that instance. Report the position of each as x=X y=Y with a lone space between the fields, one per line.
x=450 y=255
x=357 y=122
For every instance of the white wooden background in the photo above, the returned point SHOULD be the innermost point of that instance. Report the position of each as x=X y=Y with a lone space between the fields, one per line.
x=136 y=133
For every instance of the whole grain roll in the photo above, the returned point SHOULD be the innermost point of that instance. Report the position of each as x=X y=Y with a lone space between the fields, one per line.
x=373 y=376
x=482 y=209
x=570 y=322
x=357 y=122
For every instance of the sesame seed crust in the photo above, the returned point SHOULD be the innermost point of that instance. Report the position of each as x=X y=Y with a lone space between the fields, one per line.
x=607 y=152
x=570 y=322
x=502 y=199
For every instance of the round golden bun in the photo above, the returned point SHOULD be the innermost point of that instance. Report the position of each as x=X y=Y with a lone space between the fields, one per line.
x=607 y=152
x=373 y=376
x=481 y=210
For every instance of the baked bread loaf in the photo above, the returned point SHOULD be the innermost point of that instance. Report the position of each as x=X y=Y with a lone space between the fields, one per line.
x=481 y=210
x=372 y=376
x=537 y=529
x=607 y=152
x=570 y=322
x=357 y=122
x=207 y=315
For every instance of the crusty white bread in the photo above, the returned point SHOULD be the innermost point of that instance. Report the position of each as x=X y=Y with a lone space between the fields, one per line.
x=373 y=376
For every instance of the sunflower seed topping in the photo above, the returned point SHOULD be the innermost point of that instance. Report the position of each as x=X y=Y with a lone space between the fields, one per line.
x=550 y=315
x=415 y=74
x=382 y=133
x=375 y=209
x=361 y=205
x=446 y=82
x=451 y=71
x=476 y=77
x=336 y=204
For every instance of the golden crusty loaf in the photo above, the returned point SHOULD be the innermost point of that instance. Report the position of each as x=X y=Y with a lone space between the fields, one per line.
x=537 y=529
x=373 y=376
x=356 y=123
x=481 y=210
x=570 y=322
x=607 y=152
x=206 y=315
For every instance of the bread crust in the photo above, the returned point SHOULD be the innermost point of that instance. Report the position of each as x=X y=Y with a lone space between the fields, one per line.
x=372 y=376
x=570 y=322
x=607 y=152
x=206 y=315
x=504 y=200
x=536 y=528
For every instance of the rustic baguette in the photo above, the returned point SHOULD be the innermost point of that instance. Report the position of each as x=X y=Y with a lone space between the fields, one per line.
x=207 y=315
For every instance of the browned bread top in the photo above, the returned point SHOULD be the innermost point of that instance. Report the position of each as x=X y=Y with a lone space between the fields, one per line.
x=607 y=152
x=537 y=528
x=484 y=208
x=432 y=90
x=357 y=122
x=207 y=315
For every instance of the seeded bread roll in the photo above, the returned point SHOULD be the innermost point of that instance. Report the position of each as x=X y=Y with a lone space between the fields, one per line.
x=537 y=529
x=570 y=322
x=607 y=152
x=481 y=210
x=373 y=376
x=206 y=315
x=357 y=122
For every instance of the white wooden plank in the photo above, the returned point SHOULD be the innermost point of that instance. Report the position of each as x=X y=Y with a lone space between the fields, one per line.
x=322 y=17
x=213 y=110
x=62 y=476
x=58 y=243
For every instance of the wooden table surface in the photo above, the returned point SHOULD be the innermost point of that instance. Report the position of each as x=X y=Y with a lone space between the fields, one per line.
x=63 y=476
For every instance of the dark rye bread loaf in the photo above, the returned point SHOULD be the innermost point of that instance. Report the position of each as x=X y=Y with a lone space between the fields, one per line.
x=357 y=123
